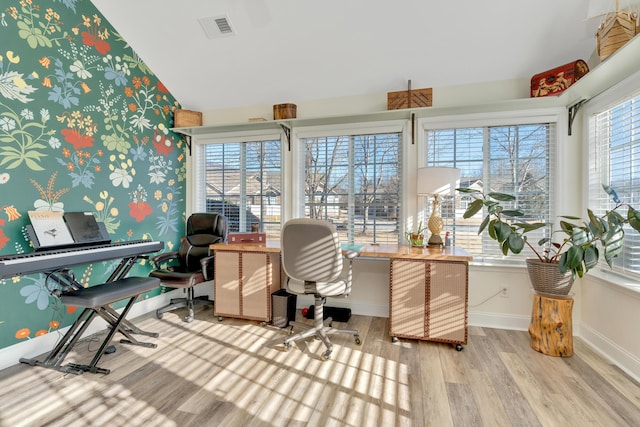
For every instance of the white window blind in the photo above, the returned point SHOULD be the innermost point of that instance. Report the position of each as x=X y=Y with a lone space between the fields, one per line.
x=614 y=136
x=353 y=180
x=513 y=159
x=242 y=181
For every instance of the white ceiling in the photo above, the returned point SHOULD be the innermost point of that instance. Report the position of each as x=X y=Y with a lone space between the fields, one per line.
x=297 y=50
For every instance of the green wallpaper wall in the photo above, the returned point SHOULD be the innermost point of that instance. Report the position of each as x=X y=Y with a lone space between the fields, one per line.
x=84 y=126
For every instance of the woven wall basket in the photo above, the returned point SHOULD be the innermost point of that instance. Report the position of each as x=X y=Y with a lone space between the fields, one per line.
x=546 y=277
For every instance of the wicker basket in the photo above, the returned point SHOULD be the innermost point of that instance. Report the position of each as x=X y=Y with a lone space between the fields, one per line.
x=546 y=277
x=616 y=30
x=284 y=111
x=186 y=118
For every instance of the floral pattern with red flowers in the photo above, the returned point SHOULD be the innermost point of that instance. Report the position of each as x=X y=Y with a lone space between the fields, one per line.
x=85 y=126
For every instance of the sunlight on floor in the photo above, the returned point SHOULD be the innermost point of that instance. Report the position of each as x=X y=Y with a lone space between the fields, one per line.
x=240 y=364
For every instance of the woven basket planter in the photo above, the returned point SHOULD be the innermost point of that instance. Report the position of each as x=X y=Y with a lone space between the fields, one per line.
x=546 y=277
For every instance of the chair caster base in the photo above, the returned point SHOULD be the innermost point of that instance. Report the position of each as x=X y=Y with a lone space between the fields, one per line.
x=326 y=355
x=357 y=339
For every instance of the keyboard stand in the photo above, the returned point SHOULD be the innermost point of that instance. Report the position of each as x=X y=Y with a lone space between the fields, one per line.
x=96 y=301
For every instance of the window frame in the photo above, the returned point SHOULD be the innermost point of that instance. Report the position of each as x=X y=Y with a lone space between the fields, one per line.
x=628 y=88
x=556 y=116
x=412 y=152
x=196 y=193
x=369 y=128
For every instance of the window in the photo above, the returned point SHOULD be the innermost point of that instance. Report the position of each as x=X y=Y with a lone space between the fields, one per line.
x=242 y=181
x=614 y=136
x=354 y=182
x=510 y=159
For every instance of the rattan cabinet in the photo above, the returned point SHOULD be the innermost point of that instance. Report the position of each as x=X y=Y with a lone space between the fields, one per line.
x=429 y=300
x=244 y=281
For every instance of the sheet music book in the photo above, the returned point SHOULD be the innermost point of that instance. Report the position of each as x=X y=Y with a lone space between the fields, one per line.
x=50 y=228
x=84 y=228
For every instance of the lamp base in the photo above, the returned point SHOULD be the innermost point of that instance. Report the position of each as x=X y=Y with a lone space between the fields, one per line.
x=435 y=240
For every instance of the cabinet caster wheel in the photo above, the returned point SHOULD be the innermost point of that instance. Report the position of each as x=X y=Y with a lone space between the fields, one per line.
x=459 y=347
x=220 y=319
x=357 y=340
x=159 y=315
x=263 y=323
x=287 y=346
x=394 y=339
x=326 y=355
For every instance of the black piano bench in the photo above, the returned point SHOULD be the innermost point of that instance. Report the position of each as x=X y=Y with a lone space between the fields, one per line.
x=96 y=301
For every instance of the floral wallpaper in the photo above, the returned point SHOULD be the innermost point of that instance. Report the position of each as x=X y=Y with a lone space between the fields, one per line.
x=84 y=126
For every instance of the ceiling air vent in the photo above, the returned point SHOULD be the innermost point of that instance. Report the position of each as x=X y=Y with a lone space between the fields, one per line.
x=216 y=26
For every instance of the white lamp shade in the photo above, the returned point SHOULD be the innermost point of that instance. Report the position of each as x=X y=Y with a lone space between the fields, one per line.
x=437 y=180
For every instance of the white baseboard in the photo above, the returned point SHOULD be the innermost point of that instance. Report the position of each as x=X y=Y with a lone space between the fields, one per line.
x=611 y=351
x=499 y=321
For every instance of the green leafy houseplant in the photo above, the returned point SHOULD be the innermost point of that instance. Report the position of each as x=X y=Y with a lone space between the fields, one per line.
x=578 y=248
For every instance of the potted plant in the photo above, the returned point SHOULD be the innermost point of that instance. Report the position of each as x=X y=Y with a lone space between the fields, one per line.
x=572 y=254
x=416 y=237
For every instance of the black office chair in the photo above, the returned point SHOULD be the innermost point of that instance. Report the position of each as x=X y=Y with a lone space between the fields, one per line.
x=194 y=262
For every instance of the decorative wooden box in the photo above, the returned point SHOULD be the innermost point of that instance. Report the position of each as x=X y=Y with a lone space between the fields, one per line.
x=284 y=111
x=616 y=29
x=246 y=238
x=409 y=99
x=557 y=80
x=186 y=118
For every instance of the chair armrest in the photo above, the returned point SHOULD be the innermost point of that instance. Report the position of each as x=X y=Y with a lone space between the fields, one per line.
x=207 y=267
x=163 y=257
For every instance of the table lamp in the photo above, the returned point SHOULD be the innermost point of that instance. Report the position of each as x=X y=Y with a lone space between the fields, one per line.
x=436 y=181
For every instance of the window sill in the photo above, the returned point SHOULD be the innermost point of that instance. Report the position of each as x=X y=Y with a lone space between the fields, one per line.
x=482 y=263
x=615 y=281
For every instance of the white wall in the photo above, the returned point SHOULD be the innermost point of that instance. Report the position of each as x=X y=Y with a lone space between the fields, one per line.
x=610 y=315
x=442 y=97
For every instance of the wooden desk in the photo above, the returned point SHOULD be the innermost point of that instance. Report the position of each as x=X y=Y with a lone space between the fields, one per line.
x=428 y=286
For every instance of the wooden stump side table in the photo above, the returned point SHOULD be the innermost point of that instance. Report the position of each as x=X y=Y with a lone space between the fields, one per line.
x=551 y=327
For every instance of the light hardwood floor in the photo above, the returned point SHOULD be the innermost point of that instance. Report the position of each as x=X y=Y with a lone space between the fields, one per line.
x=235 y=373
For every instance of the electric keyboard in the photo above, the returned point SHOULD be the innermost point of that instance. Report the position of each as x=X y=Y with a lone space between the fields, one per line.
x=50 y=260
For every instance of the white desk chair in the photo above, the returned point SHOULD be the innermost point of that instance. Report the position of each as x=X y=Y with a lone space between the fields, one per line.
x=312 y=261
